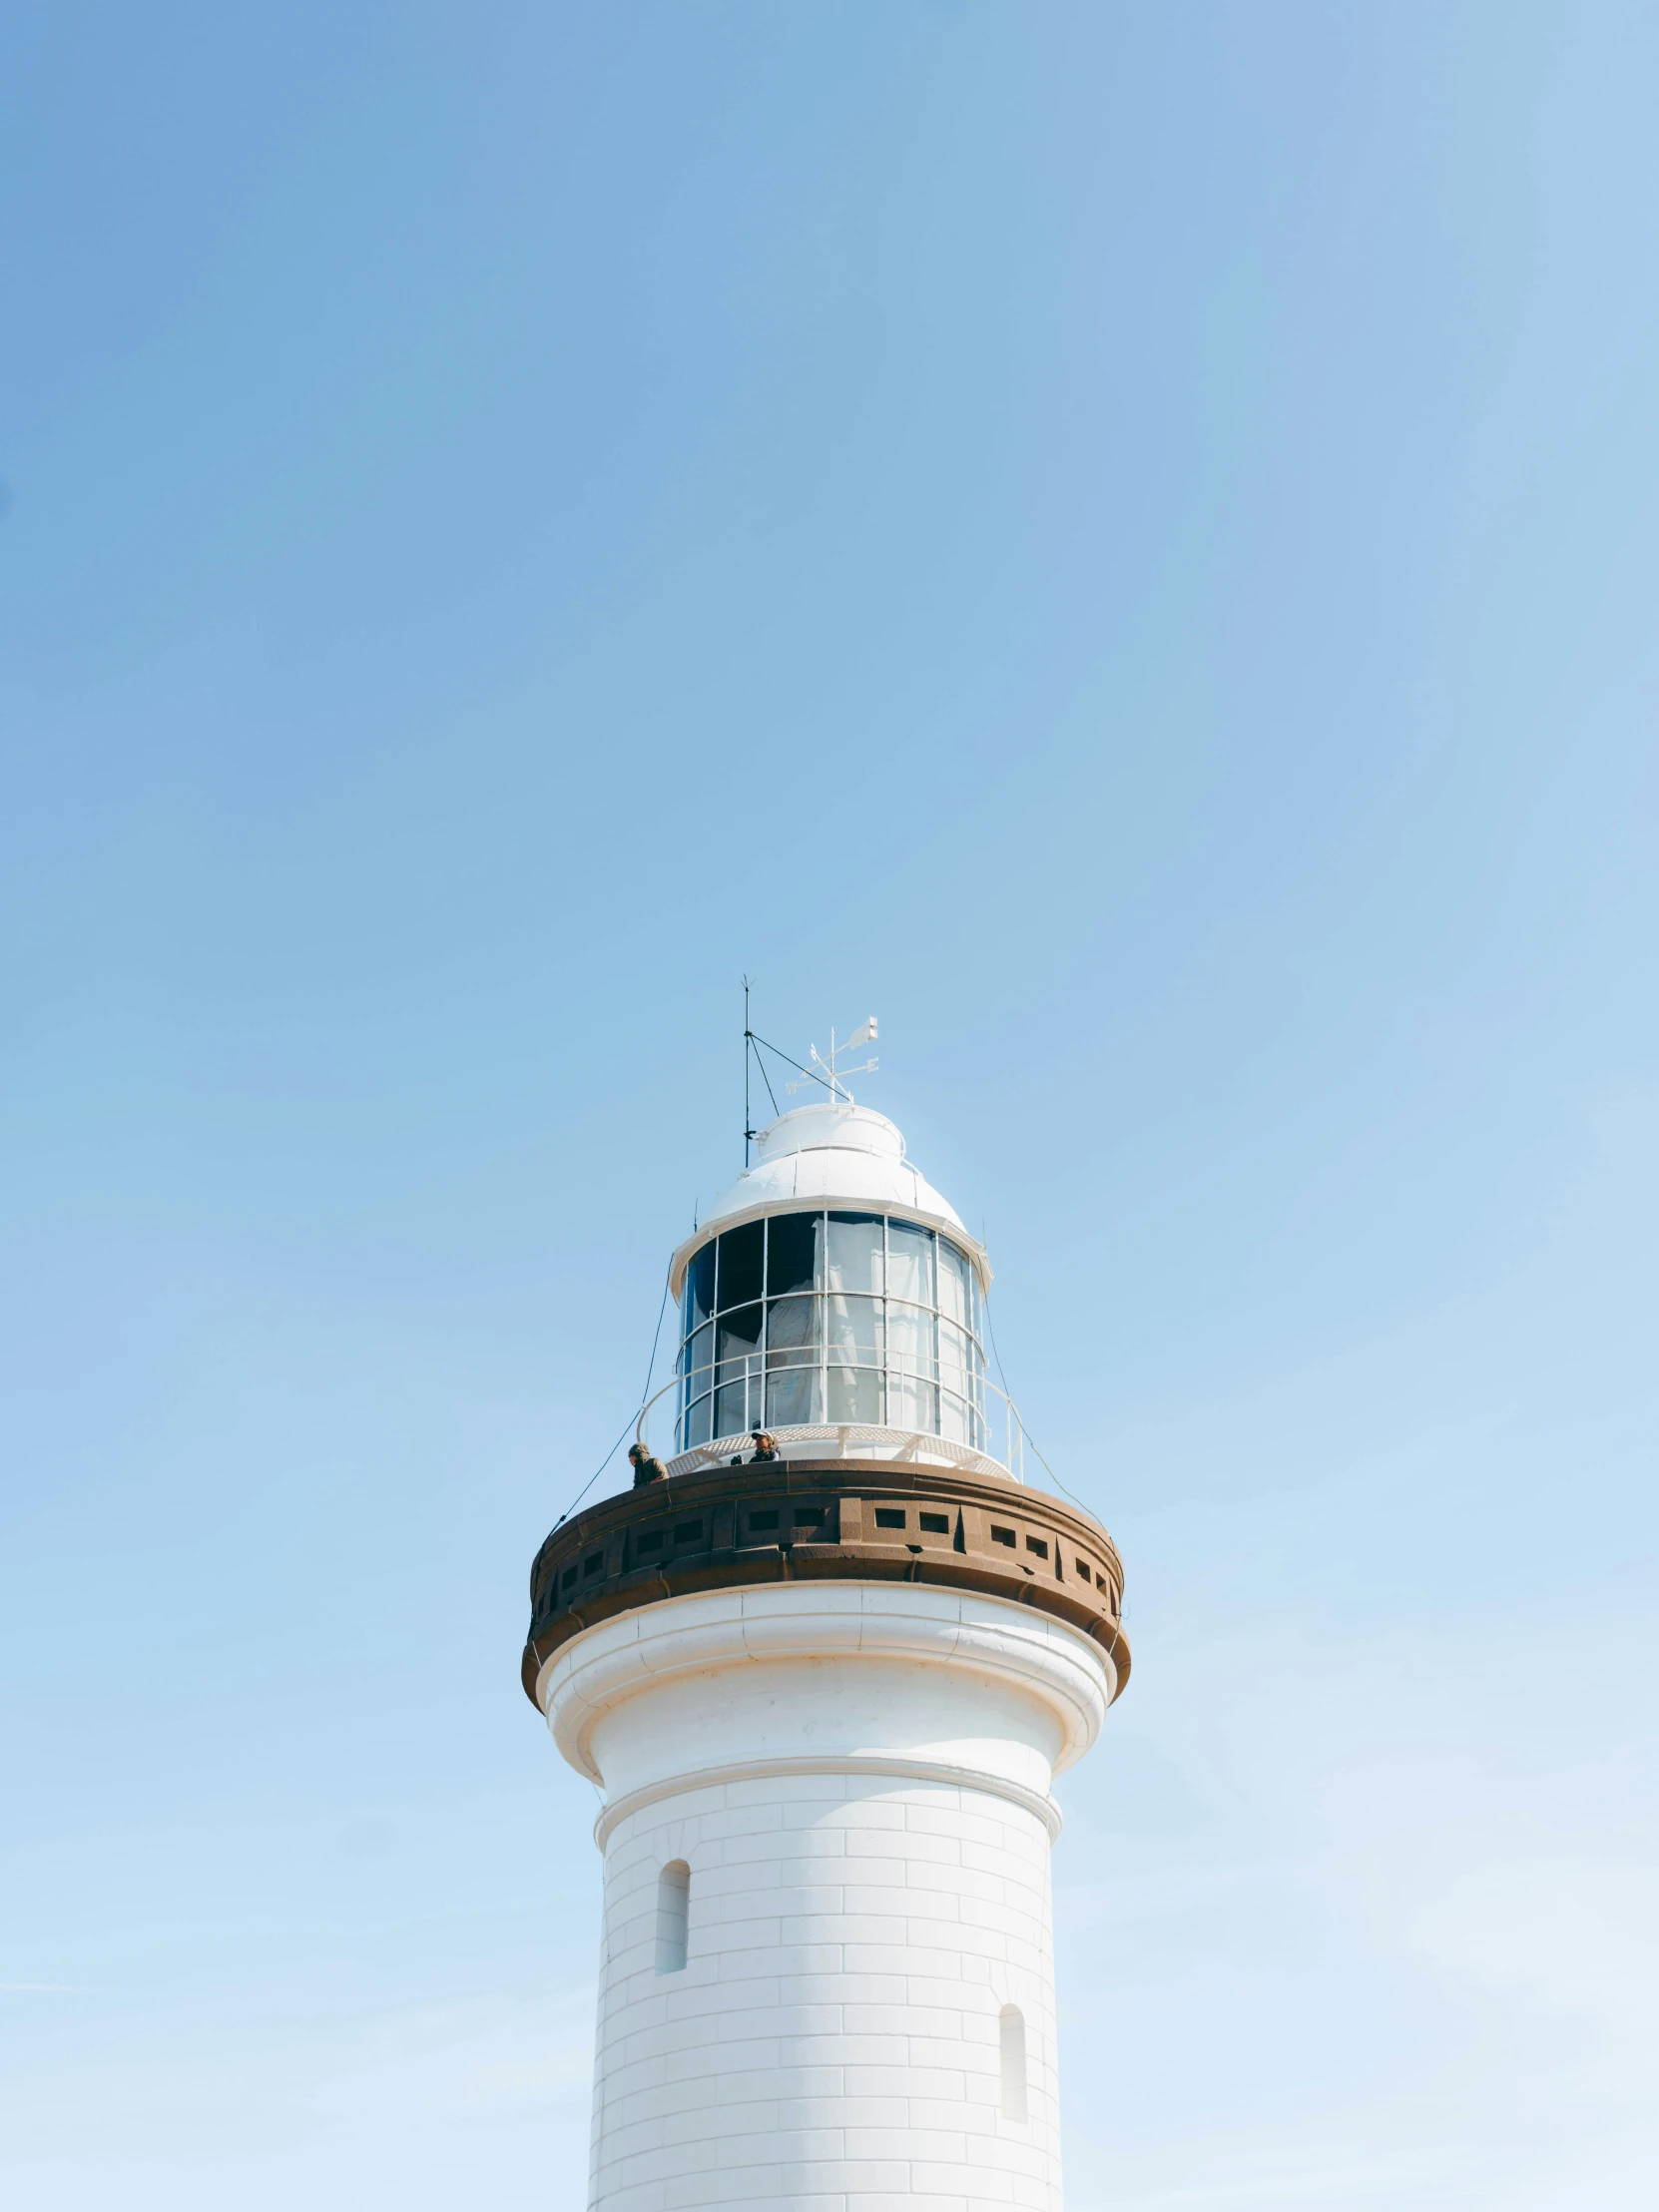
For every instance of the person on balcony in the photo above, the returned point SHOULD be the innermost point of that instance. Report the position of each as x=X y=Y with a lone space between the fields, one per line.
x=647 y=1468
x=766 y=1448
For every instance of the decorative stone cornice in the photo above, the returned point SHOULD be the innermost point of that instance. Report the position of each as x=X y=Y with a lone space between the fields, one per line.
x=833 y=1520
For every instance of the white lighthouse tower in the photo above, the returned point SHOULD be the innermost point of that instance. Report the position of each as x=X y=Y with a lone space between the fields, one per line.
x=825 y=1699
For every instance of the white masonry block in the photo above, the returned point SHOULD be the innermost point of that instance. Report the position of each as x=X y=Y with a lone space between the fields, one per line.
x=827 y=1971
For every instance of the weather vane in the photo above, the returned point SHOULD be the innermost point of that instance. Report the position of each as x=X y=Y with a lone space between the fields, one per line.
x=827 y=1074
x=830 y=1071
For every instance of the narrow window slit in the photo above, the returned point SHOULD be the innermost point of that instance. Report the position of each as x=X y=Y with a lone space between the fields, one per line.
x=673 y=1908
x=1011 y=2026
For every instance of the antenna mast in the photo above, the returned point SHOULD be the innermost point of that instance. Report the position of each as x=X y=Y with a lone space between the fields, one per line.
x=748 y=1053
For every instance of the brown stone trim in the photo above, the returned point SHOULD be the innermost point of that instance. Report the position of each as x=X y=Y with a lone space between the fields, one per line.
x=984 y=1533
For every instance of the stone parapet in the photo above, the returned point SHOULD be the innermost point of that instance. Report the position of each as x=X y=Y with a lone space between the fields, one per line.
x=805 y=1520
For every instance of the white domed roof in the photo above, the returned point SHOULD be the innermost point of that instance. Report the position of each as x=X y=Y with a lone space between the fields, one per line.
x=832 y=1155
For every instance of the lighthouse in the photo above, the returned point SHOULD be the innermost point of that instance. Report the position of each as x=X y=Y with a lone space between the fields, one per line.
x=824 y=1698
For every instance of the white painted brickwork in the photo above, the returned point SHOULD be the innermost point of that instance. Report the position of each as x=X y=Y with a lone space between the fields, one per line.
x=832 y=2041
x=857 y=1778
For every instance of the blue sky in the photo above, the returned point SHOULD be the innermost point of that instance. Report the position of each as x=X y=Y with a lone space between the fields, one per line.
x=1121 y=539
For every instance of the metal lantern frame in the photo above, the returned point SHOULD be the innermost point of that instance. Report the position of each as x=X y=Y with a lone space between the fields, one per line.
x=826 y=1315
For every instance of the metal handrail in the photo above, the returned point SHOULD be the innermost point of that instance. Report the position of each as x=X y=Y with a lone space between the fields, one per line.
x=1013 y=1459
x=924 y=1372
x=794 y=1359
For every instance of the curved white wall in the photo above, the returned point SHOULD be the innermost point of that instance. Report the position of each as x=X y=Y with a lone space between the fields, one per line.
x=857 y=1778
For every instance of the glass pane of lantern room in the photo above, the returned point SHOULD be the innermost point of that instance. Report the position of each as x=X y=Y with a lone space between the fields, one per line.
x=739 y=1264
x=700 y=1287
x=957 y=1381
x=911 y=1404
x=955 y=1413
x=697 y=1430
x=700 y=1352
x=739 y=1335
x=852 y=1253
x=852 y=1335
x=910 y=1339
x=954 y=1359
x=738 y=1406
x=792 y=1252
x=853 y=1331
x=793 y=1396
x=954 y=1283
x=909 y=1263
x=854 y=1393
x=792 y=1336
x=737 y=1343
x=792 y=1331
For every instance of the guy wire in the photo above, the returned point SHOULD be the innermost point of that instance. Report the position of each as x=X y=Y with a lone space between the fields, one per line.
x=651 y=1369
x=996 y=1352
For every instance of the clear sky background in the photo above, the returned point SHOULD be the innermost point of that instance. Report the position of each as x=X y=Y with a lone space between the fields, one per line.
x=1121 y=538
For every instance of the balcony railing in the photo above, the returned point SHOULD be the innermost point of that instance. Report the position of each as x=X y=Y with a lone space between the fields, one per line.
x=977 y=1422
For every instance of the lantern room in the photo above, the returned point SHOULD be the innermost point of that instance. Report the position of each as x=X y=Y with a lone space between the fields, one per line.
x=835 y=1298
